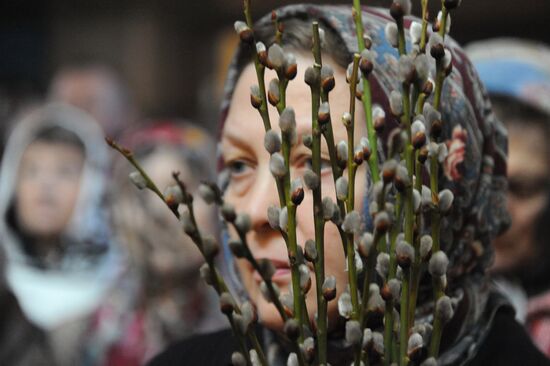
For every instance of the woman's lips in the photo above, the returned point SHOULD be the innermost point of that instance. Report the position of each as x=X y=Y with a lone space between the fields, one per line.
x=282 y=273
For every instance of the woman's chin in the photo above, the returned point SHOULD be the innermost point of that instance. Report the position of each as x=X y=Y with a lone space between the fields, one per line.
x=268 y=315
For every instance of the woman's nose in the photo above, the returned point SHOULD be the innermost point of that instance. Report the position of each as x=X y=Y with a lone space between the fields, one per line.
x=264 y=195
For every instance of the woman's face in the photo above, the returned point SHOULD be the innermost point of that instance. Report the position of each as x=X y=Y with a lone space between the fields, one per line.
x=252 y=188
x=528 y=169
x=48 y=184
x=173 y=249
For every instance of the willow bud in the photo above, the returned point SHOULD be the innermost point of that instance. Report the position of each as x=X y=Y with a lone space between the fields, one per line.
x=311 y=76
x=342 y=188
x=418 y=132
x=435 y=45
x=287 y=120
x=365 y=145
x=444 y=308
x=210 y=247
x=414 y=346
x=237 y=248
x=328 y=208
x=310 y=250
x=311 y=179
x=383 y=264
x=345 y=307
x=391 y=33
x=342 y=153
x=446 y=198
x=283 y=219
x=406 y=69
x=273 y=93
x=275 y=56
x=296 y=191
x=244 y=32
x=291 y=66
x=438 y=264
x=261 y=50
x=379 y=119
x=272 y=141
x=401 y=181
x=358 y=156
x=324 y=113
x=206 y=274
x=292 y=329
x=396 y=103
x=173 y=195
x=422 y=66
x=277 y=165
x=352 y=223
x=382 y=222
x=389 y=169
x=138 y=180
x=237 y=359
x=431 y=361
x=353 y=332
x=416 y=32
x=273 y=213
x=426 y=243
x=187 y=223
x=305 y=278
x=266 y=267
x=366 y=64
x=227 y=304
x=243 y=223
x=394 y=286
x=327 y=78
x=417 y=201
x=366 y=243
x=292 y=360
x=404 y=254
x=329 y=288
x=307 y=140
x=255 y=96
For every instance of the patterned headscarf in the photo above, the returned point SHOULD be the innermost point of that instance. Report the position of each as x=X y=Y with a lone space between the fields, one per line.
x=475 y=169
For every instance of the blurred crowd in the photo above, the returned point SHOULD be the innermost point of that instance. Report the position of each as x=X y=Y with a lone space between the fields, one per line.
x=94 y=272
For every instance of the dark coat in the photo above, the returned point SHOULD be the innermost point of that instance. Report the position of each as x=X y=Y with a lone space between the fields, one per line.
x=21 y=343
x=506 y=344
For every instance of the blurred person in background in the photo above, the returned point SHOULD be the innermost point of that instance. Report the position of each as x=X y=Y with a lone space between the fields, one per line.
x=98 y=90
x=60 y=259
x=173 y=302
x=517 y=76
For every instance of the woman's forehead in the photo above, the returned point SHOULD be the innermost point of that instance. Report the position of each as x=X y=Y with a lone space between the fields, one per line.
x=298 y=96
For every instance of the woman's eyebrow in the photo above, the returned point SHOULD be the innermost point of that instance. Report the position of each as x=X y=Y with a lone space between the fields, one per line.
x=236 y=141
x=233 y=138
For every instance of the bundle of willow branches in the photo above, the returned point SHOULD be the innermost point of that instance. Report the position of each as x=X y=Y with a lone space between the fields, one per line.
x=392 y=256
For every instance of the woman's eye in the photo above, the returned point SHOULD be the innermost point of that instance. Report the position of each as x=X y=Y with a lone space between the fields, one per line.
x=325 y=164
x=237 y=167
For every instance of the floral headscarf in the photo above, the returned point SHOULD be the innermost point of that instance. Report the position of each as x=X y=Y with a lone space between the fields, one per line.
x=475 y=169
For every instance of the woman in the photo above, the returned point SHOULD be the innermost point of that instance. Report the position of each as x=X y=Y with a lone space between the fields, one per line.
x=60 y=259
x=171 y=302
x=474 y=171
x=516 y=74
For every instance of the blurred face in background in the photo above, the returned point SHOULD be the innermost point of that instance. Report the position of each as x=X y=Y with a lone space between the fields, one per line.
x=177 y=250
x=252 y=188
x=47 y=189
x=529 y=176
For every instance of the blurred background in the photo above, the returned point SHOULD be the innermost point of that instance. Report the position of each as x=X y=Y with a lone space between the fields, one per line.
x=172 y=54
